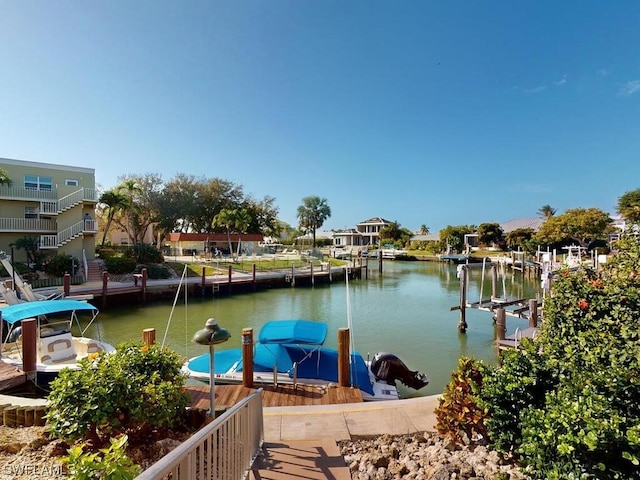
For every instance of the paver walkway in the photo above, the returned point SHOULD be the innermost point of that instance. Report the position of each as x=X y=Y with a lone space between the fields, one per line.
x=301 y=459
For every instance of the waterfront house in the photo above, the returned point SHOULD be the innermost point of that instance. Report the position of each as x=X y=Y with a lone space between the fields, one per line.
x=471 y=239
x=55 y=204
x=207 y=244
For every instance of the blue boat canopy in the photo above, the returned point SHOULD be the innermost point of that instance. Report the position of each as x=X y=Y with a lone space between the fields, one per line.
x=303 y=332
x=20 y=311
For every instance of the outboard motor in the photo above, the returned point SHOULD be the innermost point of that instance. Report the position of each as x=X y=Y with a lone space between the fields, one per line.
x=389 y=368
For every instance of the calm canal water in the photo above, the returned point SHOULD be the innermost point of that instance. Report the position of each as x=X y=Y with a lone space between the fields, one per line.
x=406 y=311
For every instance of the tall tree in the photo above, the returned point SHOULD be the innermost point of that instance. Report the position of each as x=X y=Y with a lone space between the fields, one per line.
x=424 y=230
x=546 y=211
x=312 y=214
x=520 y=238
x=629 y=206
x=489 y=233
x=580 y=225
x=144 y=196
x=110 y=204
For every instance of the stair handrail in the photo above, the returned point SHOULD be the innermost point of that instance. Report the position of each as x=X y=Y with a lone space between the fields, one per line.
x=76 y=197
x=70 y=232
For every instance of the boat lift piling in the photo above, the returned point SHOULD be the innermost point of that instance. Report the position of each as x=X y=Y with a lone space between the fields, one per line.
x=247 y=357
x=29 y=347
x=343 y=357
x=496 y=305
x=462 y=324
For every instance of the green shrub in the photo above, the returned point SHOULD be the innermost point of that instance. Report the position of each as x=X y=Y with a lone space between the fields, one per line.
x=155 y=271
x=144 y=253
x=106 y=252
x=134 y=389
x=459 y=413
x=120 y=265
x=522 y=381
x=108 y=463
x=60 y=264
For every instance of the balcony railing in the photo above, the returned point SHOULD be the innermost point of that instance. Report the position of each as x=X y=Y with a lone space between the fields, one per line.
x=21 y=193
x=54 y=205
x=27 y=225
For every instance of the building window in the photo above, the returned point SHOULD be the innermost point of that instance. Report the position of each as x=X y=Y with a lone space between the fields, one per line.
x=37 y=182
x=70 y=182
x=30 y=212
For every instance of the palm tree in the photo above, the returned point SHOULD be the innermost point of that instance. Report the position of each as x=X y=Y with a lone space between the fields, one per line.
x=114 y=203
x=130 y=189
x=226 y=218
x=546 y=211
x=424 y=230
x=312 y=214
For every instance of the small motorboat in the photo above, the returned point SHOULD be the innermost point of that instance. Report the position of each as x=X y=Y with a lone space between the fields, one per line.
x=56 y=346
x=292 y=351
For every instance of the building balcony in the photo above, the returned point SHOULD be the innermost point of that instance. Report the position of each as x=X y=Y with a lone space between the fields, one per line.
x=82 y=195
x=27 y=225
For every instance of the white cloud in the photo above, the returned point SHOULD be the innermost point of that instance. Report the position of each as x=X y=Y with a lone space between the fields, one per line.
x=539 y=89
x=562 y=81
x=630 y=87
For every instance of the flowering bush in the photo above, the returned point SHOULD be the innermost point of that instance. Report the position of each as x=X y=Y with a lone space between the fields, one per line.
x=568 y=404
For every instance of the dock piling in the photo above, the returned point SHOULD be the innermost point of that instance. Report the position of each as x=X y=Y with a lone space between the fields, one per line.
x=462 y=324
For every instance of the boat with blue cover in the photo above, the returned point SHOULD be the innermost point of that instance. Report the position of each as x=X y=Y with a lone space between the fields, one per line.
x=56 y=346
x=292 y=351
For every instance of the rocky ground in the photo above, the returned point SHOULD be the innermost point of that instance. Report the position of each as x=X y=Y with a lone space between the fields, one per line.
x=27 y=453
x=424 y=455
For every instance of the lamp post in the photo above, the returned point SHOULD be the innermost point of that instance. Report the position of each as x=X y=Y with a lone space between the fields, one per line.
x=211 y=335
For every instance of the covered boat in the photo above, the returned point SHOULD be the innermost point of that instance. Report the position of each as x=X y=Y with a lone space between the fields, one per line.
x=292 y=351
x=56 y=346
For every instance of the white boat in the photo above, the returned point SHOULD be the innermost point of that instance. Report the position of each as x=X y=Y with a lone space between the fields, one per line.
x=291 y=351
x=393 y=253
x=56 y=346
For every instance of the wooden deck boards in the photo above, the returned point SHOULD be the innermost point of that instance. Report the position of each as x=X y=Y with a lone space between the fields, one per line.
x=281 y=396
x=10 y=377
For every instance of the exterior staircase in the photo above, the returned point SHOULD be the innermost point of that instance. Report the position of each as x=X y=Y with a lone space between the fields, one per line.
x=94 y=271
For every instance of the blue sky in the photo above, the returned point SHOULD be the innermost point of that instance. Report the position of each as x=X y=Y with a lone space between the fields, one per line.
x=423 y=112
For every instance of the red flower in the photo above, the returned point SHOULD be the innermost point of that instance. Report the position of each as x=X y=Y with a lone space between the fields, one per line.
x=596 y=283
x=583 y=304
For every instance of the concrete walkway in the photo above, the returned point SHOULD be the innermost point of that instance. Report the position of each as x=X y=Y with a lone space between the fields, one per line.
x=349 y=421
x=301 y=442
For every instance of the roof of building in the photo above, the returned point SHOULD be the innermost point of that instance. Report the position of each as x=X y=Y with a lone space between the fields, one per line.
x=376 y=221
x=532 y=223
x=203 y=237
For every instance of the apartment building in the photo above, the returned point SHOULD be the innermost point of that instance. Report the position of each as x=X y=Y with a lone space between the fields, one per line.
x=53 y=203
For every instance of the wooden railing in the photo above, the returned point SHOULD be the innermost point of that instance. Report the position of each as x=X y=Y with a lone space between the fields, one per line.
x=225 y=448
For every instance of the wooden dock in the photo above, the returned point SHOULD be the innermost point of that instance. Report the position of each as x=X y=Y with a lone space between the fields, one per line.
x=281 y=396
x=11 y=377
